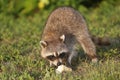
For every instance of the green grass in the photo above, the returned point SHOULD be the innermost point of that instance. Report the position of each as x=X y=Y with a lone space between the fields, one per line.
x=20 y=51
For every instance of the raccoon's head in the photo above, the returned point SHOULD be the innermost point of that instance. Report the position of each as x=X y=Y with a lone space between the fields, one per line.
x=56 y=51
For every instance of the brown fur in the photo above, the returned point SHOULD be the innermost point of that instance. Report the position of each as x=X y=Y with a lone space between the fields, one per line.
x=102 y=41
x=68 y=22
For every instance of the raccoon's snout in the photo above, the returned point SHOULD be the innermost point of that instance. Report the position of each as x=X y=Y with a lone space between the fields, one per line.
x=59 y=63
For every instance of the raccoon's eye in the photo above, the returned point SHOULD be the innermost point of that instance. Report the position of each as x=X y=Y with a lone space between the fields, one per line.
x=62 y=55
x=51 y=57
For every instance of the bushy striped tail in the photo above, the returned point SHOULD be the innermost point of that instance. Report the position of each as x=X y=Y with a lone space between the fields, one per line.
x=102 y=41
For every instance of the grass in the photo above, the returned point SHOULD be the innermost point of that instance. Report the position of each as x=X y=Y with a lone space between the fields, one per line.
x=20 y=51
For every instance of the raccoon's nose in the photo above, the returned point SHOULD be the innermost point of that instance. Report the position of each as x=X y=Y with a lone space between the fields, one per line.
x=59 y=63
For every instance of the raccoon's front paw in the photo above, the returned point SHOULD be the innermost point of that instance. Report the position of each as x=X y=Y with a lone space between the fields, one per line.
x=63 y=68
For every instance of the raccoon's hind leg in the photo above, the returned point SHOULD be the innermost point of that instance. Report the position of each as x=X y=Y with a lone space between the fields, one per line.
x=88 y=46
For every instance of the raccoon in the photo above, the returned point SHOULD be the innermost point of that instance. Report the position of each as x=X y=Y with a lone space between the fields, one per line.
x=65 y=28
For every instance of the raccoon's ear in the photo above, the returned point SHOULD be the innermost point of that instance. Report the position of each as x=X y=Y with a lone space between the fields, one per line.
x=62 y=38
x=43 y=44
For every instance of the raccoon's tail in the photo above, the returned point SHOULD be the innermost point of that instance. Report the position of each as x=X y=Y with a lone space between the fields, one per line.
x=102 y=41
